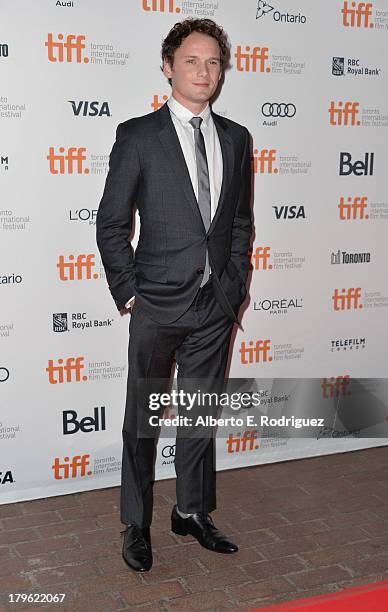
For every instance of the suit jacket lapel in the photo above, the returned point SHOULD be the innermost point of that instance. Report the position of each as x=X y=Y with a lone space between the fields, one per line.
x=177 y=162
x=227 y=150
x=170 y=141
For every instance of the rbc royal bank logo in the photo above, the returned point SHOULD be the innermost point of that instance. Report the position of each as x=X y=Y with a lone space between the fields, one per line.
x=68 y=49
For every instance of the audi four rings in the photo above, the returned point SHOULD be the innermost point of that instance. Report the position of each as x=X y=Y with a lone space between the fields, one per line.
x=278 y=109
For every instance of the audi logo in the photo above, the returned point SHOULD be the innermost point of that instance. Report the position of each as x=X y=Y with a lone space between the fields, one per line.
x=4 y=374
x=168 y=451
x=278 y=109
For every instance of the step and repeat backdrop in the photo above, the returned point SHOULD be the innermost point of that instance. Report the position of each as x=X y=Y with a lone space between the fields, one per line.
x=309 y=80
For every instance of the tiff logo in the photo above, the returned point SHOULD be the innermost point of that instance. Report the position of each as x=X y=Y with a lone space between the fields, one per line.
x=347 y=299
x=260 y=258
x=255 y=352
x=334 y=387
x=262 y=161
x=357 y=14
x=243 y=442
x=71 y=468
x=161 y=6
x=61 y=163
x=344 y=114
x=247 y=61
x=80 y=269
x=353 y=208
x=66 y=372
x=69 y=51
x=156 y=104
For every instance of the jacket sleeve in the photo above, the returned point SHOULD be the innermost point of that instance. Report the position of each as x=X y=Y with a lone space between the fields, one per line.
x=115 y=215
x=242 y=222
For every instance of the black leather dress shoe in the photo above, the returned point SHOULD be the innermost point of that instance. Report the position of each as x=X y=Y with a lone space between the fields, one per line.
x=201 y=526
x=137 y=551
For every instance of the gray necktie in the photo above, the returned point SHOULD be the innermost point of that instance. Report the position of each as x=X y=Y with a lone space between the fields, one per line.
x=204 y=201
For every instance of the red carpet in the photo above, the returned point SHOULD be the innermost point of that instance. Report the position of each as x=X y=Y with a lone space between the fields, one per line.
x=372 y=597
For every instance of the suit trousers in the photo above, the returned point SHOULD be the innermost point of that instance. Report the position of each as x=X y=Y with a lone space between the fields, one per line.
x=198 y=341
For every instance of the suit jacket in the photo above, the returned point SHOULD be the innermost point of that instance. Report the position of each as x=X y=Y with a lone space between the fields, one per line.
x=147 y=168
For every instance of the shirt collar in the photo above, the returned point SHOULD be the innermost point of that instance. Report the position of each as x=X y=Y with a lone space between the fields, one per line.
x=184 y=114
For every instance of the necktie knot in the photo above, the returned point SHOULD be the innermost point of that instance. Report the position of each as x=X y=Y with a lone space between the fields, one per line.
x=196 y=122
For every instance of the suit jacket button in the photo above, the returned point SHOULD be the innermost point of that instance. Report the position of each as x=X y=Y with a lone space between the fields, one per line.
x=200 y=271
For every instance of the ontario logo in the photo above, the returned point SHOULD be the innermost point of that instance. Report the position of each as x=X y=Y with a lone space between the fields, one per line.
x=264 y=8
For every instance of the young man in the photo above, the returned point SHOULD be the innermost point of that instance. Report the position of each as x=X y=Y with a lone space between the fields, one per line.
x=188 y=171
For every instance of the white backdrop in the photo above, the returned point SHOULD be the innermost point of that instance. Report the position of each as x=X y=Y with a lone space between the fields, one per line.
x=309 y=80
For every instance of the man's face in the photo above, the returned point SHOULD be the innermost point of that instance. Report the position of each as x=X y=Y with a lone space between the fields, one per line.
x=196 y=70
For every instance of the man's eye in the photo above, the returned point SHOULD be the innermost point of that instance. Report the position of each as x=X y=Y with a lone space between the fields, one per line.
x=190 y=61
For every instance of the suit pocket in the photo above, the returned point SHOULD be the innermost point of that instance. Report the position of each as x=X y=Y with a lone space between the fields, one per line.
x=154 y=272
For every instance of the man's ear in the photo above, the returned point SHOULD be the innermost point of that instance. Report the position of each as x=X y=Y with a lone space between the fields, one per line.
x=167 y=69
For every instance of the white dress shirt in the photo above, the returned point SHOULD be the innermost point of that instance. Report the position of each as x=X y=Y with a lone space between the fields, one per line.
x=181 y=116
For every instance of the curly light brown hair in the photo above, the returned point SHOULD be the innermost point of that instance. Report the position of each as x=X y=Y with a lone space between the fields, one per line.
x=182 y=29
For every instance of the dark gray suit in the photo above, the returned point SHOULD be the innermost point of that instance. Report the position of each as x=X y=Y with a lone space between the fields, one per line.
x=173 y=318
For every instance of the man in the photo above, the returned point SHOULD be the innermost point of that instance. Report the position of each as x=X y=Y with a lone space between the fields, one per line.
x=188 y=171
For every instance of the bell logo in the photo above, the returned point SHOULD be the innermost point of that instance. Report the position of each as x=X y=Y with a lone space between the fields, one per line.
x=260 y=258
x=69 y=51
x=77 y=269
x=358 y=168
x=262 y=161
x=155 y=104
x=357 y=14
x=238 y=443
x=246 y=61
x=72 y=425
x=6 y=477
x=344 y=113
x=255 y=352
x=64 y=161
x=347 y=299
x=71 y=468
x=334 y=387
x=353 y=208
x=66 y=371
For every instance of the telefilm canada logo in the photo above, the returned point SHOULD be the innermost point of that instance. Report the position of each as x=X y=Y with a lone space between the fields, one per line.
x=264 y=9
x=347 y=344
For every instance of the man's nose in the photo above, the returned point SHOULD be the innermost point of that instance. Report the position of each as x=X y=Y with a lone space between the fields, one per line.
x=203 y=69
